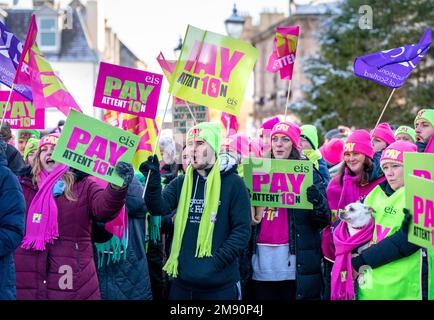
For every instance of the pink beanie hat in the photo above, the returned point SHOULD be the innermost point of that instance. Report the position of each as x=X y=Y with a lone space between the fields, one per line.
x=48 y=139
x=255 y=147
x=395 y=152
x=238 y=142
x=333 y=151
x=268 y=125
x=359 y=141
x=288 y=129
x=384 y=132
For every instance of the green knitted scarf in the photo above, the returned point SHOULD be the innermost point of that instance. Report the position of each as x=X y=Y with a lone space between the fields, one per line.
x=207 y=221
x=313 y=156
x=113 y=250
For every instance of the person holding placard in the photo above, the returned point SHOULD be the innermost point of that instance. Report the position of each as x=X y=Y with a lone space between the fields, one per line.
x=391 y=266
x=55 y=259
x=212 y=223
x=286 y=260
x=357 y=176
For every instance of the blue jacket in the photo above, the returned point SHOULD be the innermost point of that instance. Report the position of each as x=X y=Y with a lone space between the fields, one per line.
x=129 y=279
x=12 y=211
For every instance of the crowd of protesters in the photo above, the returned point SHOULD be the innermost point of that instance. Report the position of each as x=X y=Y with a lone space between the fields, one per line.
x=195 y=235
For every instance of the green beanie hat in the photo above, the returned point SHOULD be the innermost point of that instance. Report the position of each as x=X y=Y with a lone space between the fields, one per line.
x=208 y=131
x=426 y=114
x=310 y=133
x=27 y=134
x=406 y=130
x=32 y=145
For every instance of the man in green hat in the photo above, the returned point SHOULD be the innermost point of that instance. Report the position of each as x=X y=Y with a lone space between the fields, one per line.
x=212 y=223
x=424 y=127
x=24 y=136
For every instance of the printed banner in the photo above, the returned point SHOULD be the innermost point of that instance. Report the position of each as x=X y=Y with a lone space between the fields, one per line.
x=20 y=112
x=419 y=165
x=127 y=90
x=147 y=130
x=284 y=51
x=94 y=147
x=392 y=67
x=213 y=70
x=278 y=183
x=419 y=199
x=182 y=119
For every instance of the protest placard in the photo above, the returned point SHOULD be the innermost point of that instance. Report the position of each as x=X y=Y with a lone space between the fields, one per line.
x=213 y=70
x=419 y=199
x=127 y=90
x=278 y=183
x=94 y=147
x=20 y=112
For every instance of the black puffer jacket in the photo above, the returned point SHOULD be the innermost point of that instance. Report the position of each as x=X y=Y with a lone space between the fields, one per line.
x=129 y=279
x=305 y=242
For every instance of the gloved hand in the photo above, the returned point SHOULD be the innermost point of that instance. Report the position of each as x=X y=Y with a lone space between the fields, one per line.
x=125 y=171
x=313 y=195
x=226 y=162
x=153 y=165
x=406 y=221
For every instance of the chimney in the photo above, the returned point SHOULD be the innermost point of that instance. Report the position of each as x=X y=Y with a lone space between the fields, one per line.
x=95 y=24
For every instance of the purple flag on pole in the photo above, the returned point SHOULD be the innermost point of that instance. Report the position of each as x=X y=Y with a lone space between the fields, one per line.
x=391 y=68
x=10 y=53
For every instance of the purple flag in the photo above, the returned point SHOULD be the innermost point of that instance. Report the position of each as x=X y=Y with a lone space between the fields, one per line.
x=392 y=67
x=10 y=53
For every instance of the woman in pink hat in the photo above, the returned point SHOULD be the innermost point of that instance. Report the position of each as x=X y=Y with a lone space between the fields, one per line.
x=382 y=136
x=55 y=259
x=357 y=176
x=286 y=261
x=395 y=265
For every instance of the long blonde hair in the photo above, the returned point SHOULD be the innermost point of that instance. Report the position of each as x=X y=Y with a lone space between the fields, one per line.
x=68 y=177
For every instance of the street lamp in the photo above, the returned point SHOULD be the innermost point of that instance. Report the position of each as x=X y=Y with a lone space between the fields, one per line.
x=234 y=24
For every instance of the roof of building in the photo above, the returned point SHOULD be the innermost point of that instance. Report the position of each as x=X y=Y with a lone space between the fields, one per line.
x=75 y=45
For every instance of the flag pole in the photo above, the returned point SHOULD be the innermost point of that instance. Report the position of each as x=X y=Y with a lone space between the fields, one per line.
x=287 y=98
x=385 y=106
x=156 y=144
x=192 y=115
x=6 y=105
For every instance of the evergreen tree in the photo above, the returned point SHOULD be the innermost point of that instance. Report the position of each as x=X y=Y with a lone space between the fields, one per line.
x=336 y=96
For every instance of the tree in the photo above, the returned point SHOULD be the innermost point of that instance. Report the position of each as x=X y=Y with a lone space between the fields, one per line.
x=336 y=96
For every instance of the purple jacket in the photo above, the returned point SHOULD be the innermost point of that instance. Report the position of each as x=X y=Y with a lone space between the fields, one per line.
x=45 y=274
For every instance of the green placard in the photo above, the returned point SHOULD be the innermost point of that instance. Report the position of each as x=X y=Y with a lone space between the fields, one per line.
x=213 y=70
x=419 y=199
x=94 y=147
x=419 y=164
x=278 y=183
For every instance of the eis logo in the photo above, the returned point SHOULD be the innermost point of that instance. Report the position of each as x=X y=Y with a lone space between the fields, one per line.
x=231 y=102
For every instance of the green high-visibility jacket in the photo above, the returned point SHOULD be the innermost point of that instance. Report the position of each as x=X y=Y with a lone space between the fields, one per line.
x=399 y=279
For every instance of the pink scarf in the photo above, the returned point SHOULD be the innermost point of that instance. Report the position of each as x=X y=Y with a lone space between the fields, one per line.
x=41 y=224
x=342 y=287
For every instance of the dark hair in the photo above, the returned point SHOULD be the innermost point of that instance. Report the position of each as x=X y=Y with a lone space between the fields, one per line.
x=6 y=132
x=366 y=171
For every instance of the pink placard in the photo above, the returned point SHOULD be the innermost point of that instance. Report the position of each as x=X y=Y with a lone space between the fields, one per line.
x=20 y=112
x=127 y=90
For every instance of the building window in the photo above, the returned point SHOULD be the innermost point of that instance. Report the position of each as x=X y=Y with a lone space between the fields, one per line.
x=47 y=31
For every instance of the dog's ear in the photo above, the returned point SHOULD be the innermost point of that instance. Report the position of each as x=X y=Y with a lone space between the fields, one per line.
x=371 y=210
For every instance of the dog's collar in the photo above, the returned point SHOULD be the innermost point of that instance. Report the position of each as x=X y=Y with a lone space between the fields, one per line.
x=358 y=228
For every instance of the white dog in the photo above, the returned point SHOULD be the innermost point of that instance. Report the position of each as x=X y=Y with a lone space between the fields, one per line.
x=357 y=216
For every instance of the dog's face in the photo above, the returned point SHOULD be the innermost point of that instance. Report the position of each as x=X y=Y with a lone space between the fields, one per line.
x=356 y=214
